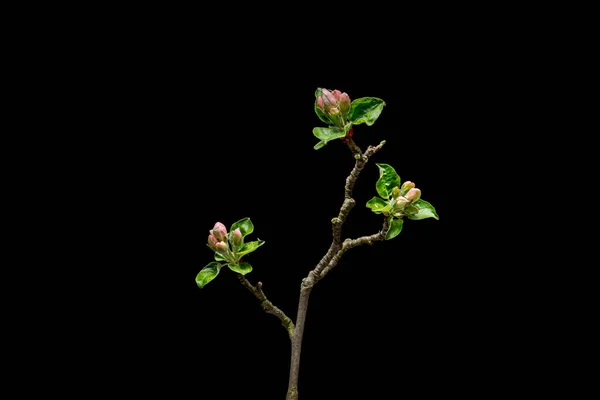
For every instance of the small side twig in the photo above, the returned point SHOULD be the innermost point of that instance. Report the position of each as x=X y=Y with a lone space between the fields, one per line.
x=267 y=305
x=350 y=243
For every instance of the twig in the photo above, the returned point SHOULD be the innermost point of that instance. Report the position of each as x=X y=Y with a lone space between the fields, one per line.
x=267 y=305
x=350 y=243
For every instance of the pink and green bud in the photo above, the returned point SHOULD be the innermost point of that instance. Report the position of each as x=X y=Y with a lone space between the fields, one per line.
x=221 y=247
x=328 y=97
x=212 y=242
x=336 y=93
x=400 y=203
x=327 y=104
x=406 y=186
x=413 y=195
x=221 y=227
x=237 y=237
x=219 y=233
x=320 y=102
x=344 y=101
x=396 y=192
x=336 y=117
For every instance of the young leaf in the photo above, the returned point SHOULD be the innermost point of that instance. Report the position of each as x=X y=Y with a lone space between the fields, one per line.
x=208 y=273
x=388 y=180
x=250 y=247
x=378 y=205
x=425 y=210
x=321 y=114
x=327 y=134
x=365 y=110
x=395 y=228
x=319 y=145
x=242 y=268
x=245 y=225
x=219 y=257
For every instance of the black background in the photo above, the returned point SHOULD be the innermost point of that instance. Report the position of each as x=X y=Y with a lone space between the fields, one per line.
x=390 y=314
x=219 y=139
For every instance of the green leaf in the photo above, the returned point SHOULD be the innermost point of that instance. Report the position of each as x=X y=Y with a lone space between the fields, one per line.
x=388 y=180
x=245 y=225
x=425 y=210
x=327 y=134
x=365 y=110
x=378 y=205
x=395 y=228
x=250 y=247
x=319 y=145
x=321 y=114
x=208 y=273
x=242 y=268
x=318 y=92
x=219 y=257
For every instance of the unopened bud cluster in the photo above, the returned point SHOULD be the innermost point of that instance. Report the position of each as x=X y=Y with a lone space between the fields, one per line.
x=219 y=241
x=403 y=197
x=335 y=105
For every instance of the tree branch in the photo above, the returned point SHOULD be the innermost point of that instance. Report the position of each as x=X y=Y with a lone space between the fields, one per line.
x=349 y=202
x=350 y=243
x=330 y=259
x=267 y=305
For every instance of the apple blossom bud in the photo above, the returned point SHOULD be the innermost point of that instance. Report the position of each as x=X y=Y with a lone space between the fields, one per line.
x=320 y=102
x=344 y=101
x=327 y=104
x=218 y=234
x=237 y=237
x=413 y=194
x=329 y=97
x=396 y=192
x=221 y=247
x=336 y=117
x=400 y=203
x=336 y=93
x=221 y=227
x=406 y=186
x=212 y=241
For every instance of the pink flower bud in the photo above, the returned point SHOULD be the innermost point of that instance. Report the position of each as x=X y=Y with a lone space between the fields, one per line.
x=237 y=236
x=407 y=185
x=344 y=101
x=400 y=203
x=413 y=194
x=329 y=97
x=212 y=241
x=336 y=93
x=221 y=227
x=219 y=232
x=320 y=102
x=327 y=104
x=334 y=111
x=221 y=247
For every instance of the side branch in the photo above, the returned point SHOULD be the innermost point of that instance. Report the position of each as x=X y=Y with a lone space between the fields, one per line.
x=267 y=305
x=350 y=243
x=349 y=202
